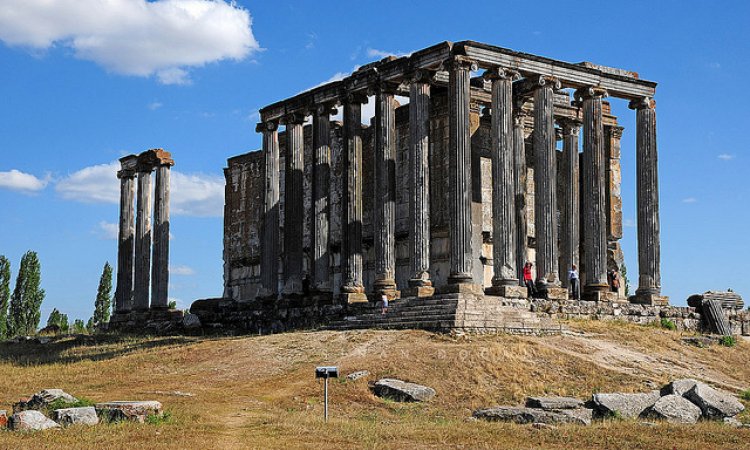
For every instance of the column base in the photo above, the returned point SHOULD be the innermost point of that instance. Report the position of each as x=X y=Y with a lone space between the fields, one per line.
x=351 y=298
x=508 y=291
x=649 y=299
x=386 y=286
x=461 y=288
x=265 y=293
x=418 y=291
x=599 y=296
x=293 y=286
x=557 y=293
x=391 y=294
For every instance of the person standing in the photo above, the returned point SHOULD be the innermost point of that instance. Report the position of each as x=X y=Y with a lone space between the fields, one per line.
x=384 y=301
x=574 y=282
x=614 y=281
x=528 y=279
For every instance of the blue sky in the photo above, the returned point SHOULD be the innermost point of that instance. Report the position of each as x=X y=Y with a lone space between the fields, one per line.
x=83 y=84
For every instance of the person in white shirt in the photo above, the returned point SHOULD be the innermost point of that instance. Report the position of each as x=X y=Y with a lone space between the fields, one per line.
x=573 y=278
x=384 y=300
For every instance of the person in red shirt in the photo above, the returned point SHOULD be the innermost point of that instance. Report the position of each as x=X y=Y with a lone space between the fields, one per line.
x=528 y=279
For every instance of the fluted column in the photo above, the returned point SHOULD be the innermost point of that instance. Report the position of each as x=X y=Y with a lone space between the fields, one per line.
x=419 y=184
x=594 y=213
x=321 y=197
x=143 y=239
x=649 y=252
x=269 y=269
x=519 y=183
x=545 y=171
x=160 y=265
x=125 y=247
x=459 y=173
x=294 y=164
x=570 y=203
x=351 y=263
x=503 y=176
x=384 y=218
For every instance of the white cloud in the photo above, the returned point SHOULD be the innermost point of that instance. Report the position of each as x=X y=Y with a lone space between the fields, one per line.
x=133 y=37
x=23 y=182
x=628 y=223
x=380 y=54
x=108 y=231
x=181 y=270
x=725 y=156
x=180 y=304
x=198 y=195
x=714 y=65
x=689 y=200
x=153 y=106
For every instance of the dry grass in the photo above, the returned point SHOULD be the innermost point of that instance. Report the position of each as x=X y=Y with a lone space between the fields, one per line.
x=259 y=392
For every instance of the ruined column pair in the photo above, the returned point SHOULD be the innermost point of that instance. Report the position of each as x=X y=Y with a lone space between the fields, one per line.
x=137 y=274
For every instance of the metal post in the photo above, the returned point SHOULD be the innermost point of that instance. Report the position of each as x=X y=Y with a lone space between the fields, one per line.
x=325 y=395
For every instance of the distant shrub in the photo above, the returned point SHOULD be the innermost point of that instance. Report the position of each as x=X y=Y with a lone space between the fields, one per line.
x=159 y=419
x=668 y=324
x=62 y=404
x=745 y=395
x=728 y=341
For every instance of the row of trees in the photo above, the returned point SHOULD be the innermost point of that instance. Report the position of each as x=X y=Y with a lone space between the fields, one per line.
x=20 y=312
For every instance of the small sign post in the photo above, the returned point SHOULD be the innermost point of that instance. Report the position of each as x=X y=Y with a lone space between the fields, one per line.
x=326 y=372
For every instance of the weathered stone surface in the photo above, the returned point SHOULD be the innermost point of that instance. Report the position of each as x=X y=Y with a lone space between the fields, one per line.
x=191 y=322
x=354 y=376
x=402 y=391
x=713 y=403
x=678 y=387
x=624 y=405
x=133 y=411
x=675 y=409
x=550 y=403
x=31 y=420
x=74 y=416
x=523 y=415
x=44 y=398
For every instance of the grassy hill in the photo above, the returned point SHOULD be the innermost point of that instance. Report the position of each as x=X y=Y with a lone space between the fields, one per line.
x=259 y=391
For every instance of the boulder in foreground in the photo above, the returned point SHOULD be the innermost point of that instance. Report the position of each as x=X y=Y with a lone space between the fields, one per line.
x=43 y=398
x=135 y=411
x=714 y=404
x=401 y=391
x=550 y=403
x=74 y=416
x=626 y=406
x=675 y=409
x=521 y=415
x=31 y=420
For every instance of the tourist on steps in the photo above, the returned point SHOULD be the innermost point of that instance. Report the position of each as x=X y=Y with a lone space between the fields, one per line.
x=614 y=280
x=384 y=301
x=528 y=280
x=573 y=278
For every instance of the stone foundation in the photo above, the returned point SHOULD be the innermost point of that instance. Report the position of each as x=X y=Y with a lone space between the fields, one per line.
x=157 y=321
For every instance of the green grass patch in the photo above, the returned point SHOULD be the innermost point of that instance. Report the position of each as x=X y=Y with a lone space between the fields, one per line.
x=62 y=404
x=160 y=419
x=745 y=395
x=668 y=324
x=728 y=341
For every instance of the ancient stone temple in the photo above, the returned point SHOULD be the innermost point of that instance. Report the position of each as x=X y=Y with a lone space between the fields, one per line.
x=143 y=252
x=450 y=192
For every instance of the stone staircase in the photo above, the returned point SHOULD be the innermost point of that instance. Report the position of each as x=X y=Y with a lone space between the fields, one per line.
x=450 y=312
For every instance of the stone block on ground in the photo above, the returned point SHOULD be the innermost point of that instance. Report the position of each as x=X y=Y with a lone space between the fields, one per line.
x=31 y=420
x=521 y=415
x=557 y=293
x=133 y=411
x=191 y=322
x=627 y=406
x=354 y=376
x=402 y=391
x=550 y=403
x=73 y=416
x=678 y=387
x=43 y=398
x=713 y=403
x=675 y=409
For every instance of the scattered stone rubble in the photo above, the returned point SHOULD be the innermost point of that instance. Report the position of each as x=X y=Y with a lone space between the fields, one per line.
x=682 y=401
x=28 y=414
x=402 y=391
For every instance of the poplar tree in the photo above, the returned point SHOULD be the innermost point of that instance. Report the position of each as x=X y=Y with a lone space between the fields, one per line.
x=103 y=304
x=4 y=295
x=26 y=301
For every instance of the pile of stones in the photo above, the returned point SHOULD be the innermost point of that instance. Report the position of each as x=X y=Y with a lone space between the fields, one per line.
x=682 y=401
x=28 y=414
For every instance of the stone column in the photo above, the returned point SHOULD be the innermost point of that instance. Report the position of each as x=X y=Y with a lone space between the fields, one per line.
x=595 y=286
x=294 y=163
x=125 y=248
x=351 y=237
x=519 y=161
x=384 y=196
x=321 y=197
x=649 y=252
x=570 y=203
x=503 y=188
x=420 y=284
x=459 y=173
x=143 y=239
x=545 y=174
x=269 y=263
x=160 y=266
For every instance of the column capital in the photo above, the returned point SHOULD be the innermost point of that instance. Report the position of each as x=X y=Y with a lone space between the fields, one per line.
x=324 y=109
x=294 y=118
x=569 y=125
x=460 y=62
x=501 y=73
x=642 y=103
x=271 y=125
x=421 y=76
x=379 y=86
x=614 y=131
x=545 y=81
x=590 y=92
x=354 y=97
